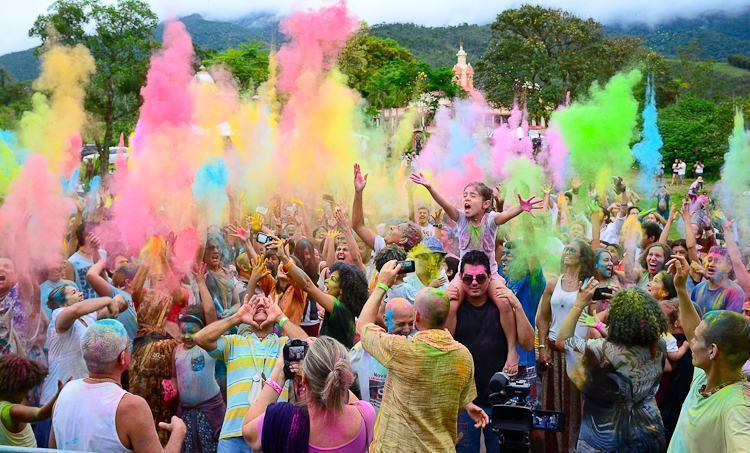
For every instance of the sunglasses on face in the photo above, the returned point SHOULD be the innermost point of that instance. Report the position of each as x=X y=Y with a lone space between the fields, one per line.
x=469 y=279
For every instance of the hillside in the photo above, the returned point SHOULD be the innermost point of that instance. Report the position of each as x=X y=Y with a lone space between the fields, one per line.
x=720 y=35
x=22 y=65
x=438 y=45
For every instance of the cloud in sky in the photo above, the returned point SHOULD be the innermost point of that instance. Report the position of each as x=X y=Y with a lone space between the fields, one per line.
x=16 y=21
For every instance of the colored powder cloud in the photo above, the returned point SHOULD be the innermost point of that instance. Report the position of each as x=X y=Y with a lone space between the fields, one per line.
x=646 y=152
x=210 y=190
x=597 y=130
x=52 y=128
x=734 y=187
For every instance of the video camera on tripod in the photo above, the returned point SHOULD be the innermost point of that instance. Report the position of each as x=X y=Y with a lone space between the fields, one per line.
x=512 y=415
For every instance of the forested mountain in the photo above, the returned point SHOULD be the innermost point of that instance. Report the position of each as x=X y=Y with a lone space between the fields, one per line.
x=720 y=35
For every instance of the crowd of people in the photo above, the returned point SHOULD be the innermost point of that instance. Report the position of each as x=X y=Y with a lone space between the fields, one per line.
x=319 y=328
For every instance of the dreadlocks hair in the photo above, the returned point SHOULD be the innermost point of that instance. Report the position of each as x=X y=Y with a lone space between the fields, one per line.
x=18 y=375
x=635 y=319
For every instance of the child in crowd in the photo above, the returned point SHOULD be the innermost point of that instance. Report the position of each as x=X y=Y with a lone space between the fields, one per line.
x=477 y=226
x=18 y=376
x=201 y=405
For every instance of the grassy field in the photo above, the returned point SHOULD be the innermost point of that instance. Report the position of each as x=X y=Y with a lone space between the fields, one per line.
x=733 y=71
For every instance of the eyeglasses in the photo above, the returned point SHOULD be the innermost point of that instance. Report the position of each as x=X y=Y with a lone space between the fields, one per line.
x=469 y=279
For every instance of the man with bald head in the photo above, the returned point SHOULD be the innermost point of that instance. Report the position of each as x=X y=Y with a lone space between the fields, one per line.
x=430 y=375
x=95 y=413
x=371 y=374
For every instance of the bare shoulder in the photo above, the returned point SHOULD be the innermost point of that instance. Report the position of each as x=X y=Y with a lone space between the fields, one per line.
x=132 y=407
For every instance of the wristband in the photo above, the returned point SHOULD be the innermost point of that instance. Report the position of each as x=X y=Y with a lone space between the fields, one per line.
x=271 y=383
x=288 y=265
x=600 y=326
x=283 y=321
x=383 y=286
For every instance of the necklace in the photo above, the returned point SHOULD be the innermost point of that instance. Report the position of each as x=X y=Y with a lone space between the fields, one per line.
x=705 y=394
x=99 y=380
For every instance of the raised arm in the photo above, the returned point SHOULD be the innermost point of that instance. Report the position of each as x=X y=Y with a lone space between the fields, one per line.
x=690 y=242
x=596 y=228
x=689 y=317
x=206 y=337
x=207 y=302
x=386 y=276
x=302 y=281
x=68 y=315
x=351 y=242
x=527 y=205
x=358 y=213
x=568 y=328
x=667 y=225
x=735 y=255
x=450 y=210
x=95 y=279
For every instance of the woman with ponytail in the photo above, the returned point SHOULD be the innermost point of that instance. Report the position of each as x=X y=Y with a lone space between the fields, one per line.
x=329 y=417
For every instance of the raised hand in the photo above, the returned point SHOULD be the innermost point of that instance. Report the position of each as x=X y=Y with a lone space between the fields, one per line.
x=239 y=232
x=529 y=204
x=586 y=292
x=359 y=181
x=678 y=266
x=418 y=178
x=438 y=282
x=389 y=272
x=258 y=268
x=199 y=272
x=587 y=320
x=437 y=217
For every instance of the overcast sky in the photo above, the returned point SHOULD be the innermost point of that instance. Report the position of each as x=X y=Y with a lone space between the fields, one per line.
x=17 y=19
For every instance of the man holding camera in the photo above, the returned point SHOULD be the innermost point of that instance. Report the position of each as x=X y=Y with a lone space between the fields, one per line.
x=249 y=354
x=430 y=376
x=477 y=326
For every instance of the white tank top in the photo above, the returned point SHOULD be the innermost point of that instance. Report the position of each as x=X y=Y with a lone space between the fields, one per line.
x=84 y=417
x=562 y=301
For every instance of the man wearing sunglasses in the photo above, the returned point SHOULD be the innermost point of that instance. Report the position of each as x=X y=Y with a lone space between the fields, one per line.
x=476 y=322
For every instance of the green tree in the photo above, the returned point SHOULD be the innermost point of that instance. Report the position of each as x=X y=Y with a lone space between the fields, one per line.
x=364 y=55
x=544 y=53
x=697 y=129
x=120 y=38
x=387 y=75
x=248 y=62
x=15 y=98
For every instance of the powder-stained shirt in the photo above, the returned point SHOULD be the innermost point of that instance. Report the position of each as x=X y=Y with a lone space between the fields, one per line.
x=730 y=297
x=618 y=384
x=430 y=379
x=482 y=237
x=719 y=422
x=246 y=358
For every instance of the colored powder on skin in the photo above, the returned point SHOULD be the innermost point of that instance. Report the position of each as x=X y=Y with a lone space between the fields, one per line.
x=646 y=152
x=388 y=318
x=52 y=128
x=210 y=190
x=428 y=265
x=597 y=131
x=734 y=187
